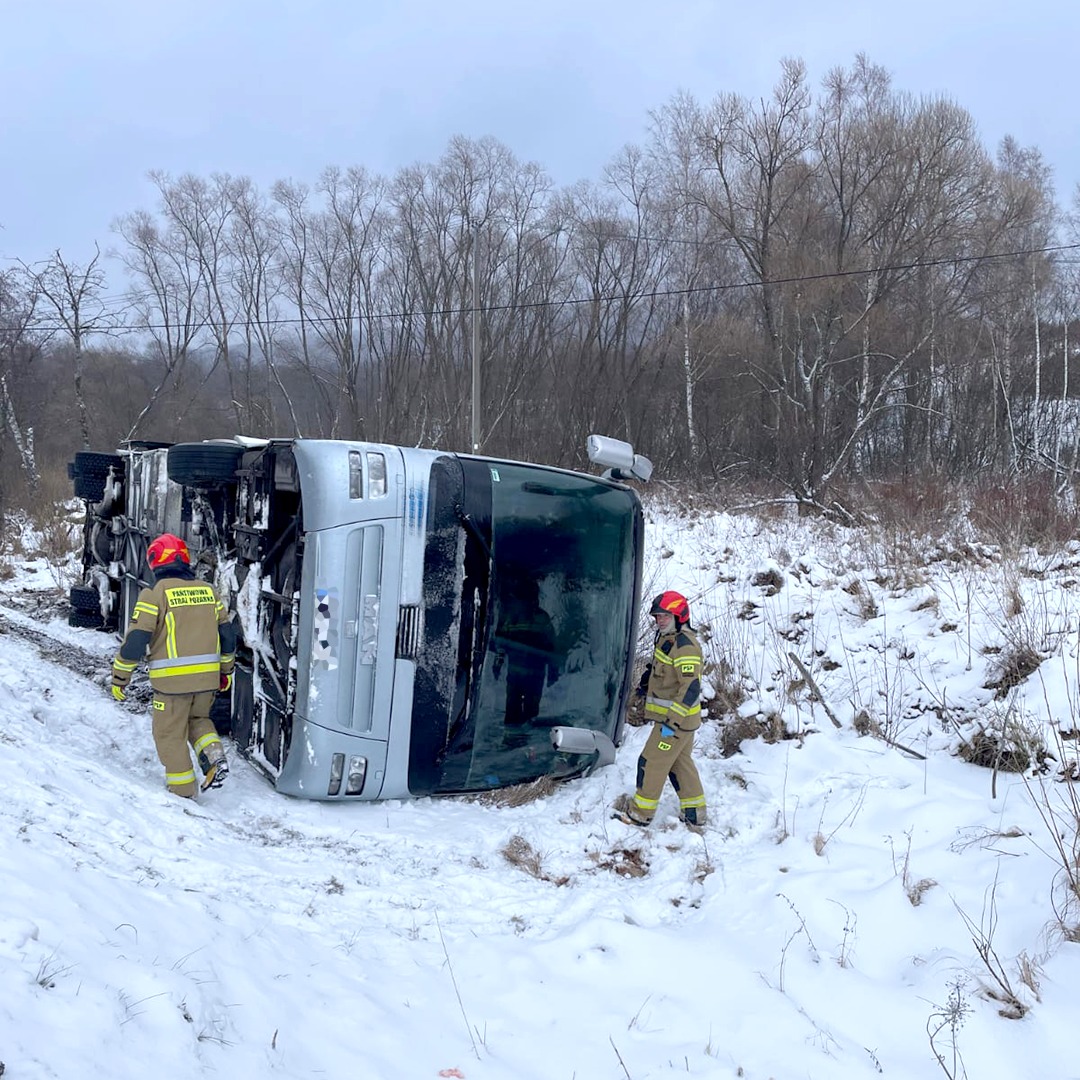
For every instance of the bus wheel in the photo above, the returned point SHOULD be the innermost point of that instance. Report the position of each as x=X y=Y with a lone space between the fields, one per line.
x=89 y=472
x=199 y=464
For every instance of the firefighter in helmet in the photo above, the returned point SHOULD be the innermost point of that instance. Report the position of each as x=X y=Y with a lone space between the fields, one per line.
x=672 y=688
x=191 y=642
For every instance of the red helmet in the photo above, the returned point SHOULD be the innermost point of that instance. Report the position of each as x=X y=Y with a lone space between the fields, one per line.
x=167 y=549
x=671 y=603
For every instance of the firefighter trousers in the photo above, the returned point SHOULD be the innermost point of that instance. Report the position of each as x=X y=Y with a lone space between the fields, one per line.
x=667 y=756
x=181 y=724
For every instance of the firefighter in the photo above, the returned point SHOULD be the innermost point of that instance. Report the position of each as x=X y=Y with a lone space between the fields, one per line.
x=191 y=642
x=672 y=685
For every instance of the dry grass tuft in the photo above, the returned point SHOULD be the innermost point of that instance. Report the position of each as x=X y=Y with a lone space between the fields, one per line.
x=1030 y=974
x=635 y=712
x=520 y=794
x=866 y=605
x=626 y=862
x=772 y=581
x=915 y=890
x=1015 y=753
x=517 y=851
x=735 y=730
x=1023 y=510
x=520 y=853
x=729 y=692
x=1012 y=667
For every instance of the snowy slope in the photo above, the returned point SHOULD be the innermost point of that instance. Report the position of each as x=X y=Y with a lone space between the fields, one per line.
x=816 y=929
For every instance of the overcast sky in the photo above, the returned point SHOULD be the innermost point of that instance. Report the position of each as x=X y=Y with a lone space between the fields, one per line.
x=94 y=96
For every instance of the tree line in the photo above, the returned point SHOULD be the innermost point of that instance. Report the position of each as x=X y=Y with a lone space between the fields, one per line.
x=829 y=285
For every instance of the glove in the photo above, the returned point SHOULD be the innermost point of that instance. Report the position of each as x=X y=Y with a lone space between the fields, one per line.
x=643 y=682
x=225 y=683
x=118 y=692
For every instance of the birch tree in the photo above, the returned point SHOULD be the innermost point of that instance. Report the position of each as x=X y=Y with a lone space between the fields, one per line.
x=18 y=346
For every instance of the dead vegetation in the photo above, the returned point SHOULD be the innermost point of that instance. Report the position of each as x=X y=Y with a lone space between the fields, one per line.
x=517 y=851
x=519 y=794
x=1013 y=666
x=624 y=861
x=914 y=888
x=1016 y=750
x=735 y=731
x=771 y=581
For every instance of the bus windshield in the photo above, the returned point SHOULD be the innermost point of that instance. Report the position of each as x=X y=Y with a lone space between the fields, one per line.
x=548 y=567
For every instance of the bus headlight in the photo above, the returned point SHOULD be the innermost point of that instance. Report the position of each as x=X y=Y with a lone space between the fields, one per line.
x=357 y=771
x=356 y=475
x=337 y=771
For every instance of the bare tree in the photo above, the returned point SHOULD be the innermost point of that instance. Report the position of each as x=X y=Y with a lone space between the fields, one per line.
x=836 y=211
x=255 y=241
x=75 y=295
x=168 y=297
x=198 y=213
x=18 y=345
x=811 y=288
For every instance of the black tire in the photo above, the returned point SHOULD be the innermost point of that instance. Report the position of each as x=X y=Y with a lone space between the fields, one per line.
x=202 y=464
x=89 y=471
x=91 y=620
x=85 y=598
x=221 y=714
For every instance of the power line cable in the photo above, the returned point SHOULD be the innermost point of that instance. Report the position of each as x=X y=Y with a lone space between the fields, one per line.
x=649 y=294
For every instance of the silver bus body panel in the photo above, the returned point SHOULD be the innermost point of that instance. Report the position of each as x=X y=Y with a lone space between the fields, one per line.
x=363 y=512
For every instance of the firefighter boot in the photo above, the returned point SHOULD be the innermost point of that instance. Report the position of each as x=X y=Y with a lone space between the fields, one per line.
x=214 y=765
x=625 y=811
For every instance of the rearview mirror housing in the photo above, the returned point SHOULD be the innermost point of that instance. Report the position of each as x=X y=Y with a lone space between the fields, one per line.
x=576 y=740
x=619 y=458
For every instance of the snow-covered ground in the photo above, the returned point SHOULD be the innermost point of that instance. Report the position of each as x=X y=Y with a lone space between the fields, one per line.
x=826 y=923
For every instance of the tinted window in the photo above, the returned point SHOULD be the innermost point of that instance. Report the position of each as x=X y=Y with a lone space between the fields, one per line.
x=534 y=576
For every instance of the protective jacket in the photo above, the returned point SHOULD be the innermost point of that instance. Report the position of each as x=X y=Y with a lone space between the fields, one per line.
x=674 y=692
x=187 y=630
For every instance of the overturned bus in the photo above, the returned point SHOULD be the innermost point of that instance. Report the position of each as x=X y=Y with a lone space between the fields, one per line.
x=411 y=622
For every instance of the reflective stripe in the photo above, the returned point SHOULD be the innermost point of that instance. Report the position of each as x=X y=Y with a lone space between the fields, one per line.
x=184 y=669
x=683 y=710
x=143 y=608
x=645 y=804
x=205 y=741
x=120 y=665
x=662 y=657
x=177 y=779
x=170 y=635
x=696 y=800
x=659 y=702
x=172 y=661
